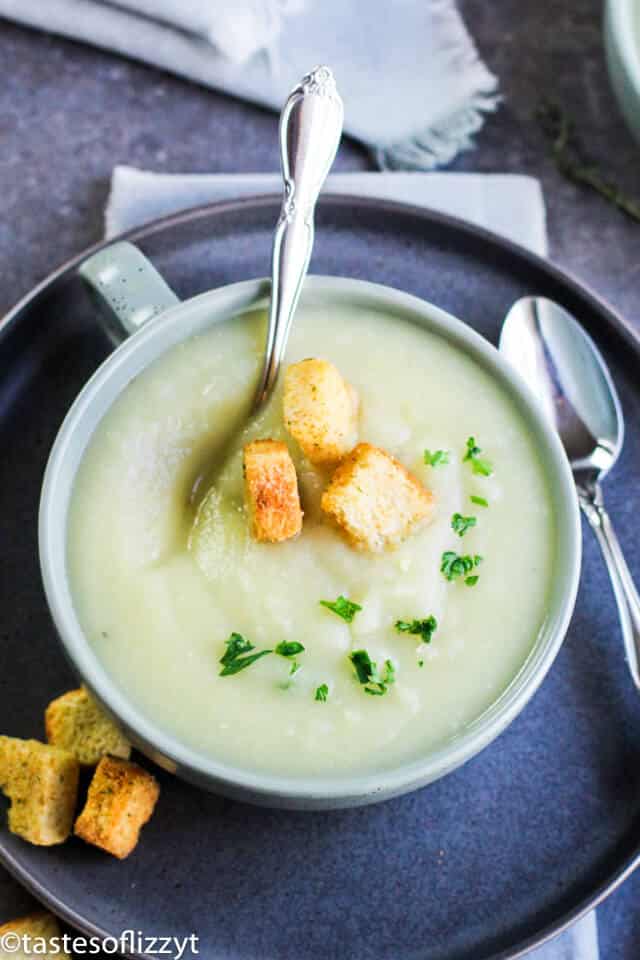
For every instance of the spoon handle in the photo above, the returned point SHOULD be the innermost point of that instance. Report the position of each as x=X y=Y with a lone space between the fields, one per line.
x=624 y=588
x=310 y=131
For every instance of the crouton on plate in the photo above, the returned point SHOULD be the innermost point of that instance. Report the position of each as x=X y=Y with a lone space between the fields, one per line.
x=76 y=723
x=271 y=491
x=35 y=930
x=375 y=500
x=122 y=797
x=320 y=410
x=42 y=784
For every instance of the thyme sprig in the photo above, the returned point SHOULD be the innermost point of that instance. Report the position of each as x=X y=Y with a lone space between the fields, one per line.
x=571 y=159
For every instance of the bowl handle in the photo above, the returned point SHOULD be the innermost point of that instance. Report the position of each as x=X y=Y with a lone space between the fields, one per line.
x=126 y=288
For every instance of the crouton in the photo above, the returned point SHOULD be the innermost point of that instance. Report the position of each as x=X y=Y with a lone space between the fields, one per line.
x=271 y=490
x=76 y=723
x=320 y=410
x=375 y=500
x=34 y=930
x=42 y=784
x=122 y=797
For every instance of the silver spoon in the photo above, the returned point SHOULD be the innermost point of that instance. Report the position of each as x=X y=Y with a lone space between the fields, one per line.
x=310 y=131
x=564 y=369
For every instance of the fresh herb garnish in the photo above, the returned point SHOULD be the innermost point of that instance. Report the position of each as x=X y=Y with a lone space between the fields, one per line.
x=236 y=644
x=293 y=670
x=453 y=566
x=363 y=665
x=388 y=677
x=367 y=672
x=461 y=524
x=289 y=648
x=437 y=458
x=233 y=660
x=322 y=692
x=478 y=464
x=344 y=608
x=237 y=665
x=471 y=581
x=424 y=629
x=572 y=161
x=479 y=500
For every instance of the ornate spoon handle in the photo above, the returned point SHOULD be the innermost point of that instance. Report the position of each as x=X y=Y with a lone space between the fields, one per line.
x=623 y=586
x=310 y=130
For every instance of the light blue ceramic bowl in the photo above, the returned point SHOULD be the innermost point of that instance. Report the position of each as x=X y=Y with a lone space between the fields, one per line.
x=149 y=297
x=622 y=46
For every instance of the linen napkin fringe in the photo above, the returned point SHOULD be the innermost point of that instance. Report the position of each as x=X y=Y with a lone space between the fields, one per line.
x=385 y=96
x=437 y=146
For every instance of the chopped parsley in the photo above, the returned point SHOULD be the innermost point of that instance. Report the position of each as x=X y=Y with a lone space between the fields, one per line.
x=388 y=677
x=367 y=673
x=344 y=608
x=424 y=629
x=461 y=524
x=322 y=692
x=453 y=566
x=289 y=648
x=479 y=500
x=234 y=659
x=437 y=458
x=293 y=670
x=478 y=464
x=236 y=644
x=242 y=662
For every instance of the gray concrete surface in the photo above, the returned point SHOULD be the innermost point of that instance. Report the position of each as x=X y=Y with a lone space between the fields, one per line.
x=69 y=113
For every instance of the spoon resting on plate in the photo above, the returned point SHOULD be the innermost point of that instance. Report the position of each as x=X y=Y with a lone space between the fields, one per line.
x=565 y=370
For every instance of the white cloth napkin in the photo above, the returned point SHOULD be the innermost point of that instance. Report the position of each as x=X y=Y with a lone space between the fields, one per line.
x=237 y=30
x=508 y=204
x=414 y=87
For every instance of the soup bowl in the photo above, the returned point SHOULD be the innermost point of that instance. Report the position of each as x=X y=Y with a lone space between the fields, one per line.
x=140 y=303
x=622 y=49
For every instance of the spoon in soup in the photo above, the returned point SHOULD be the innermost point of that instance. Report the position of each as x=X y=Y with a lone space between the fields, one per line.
x=565 y=370
x=310 y=132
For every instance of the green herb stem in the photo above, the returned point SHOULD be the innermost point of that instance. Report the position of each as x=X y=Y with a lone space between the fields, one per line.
x=479 y=465
x=570 y=157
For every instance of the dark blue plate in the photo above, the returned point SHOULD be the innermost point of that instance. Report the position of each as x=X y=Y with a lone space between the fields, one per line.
x=483 y=864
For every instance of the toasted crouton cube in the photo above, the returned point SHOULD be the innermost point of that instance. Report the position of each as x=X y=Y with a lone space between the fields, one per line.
x=76 y=723
x=320 y=410
x=271 y=490
x=375 y=500
x=42 y=785
x=37 y=930
x=122 y=797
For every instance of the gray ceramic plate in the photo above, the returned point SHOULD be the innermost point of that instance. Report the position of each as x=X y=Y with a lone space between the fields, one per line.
x=480 y=865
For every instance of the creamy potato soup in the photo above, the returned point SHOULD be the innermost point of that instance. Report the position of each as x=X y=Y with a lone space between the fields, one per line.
x=159 y=604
